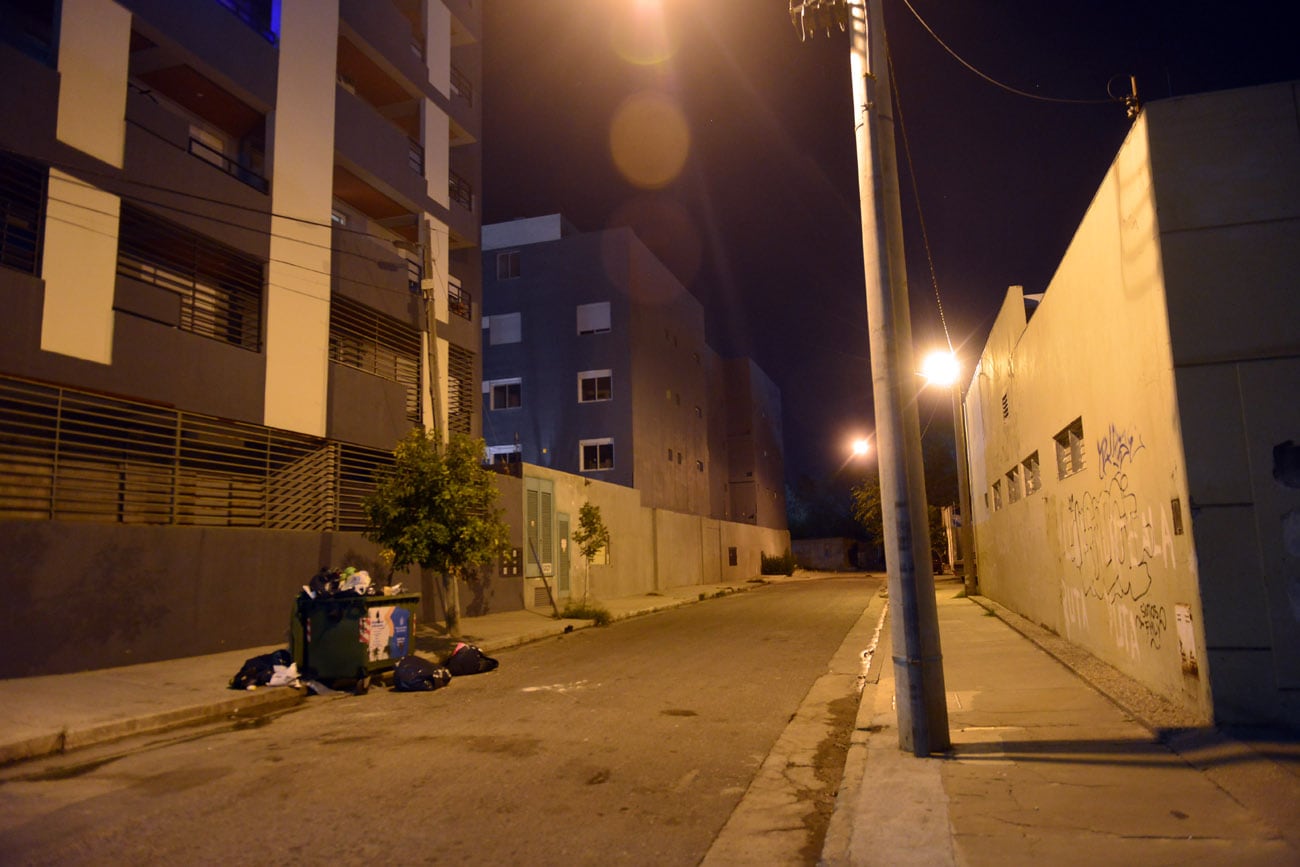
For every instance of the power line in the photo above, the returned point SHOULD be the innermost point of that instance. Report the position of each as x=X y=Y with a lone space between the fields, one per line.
x=993 y=81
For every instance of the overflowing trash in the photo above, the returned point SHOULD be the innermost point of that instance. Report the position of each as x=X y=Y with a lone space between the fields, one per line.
x=345 y=632
x=269 y=669
x=468 y=659
x=417 y=674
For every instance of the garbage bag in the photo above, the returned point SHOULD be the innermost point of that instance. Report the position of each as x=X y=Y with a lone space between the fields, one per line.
x=258 y=670
x=468 y=659
x=417 y=674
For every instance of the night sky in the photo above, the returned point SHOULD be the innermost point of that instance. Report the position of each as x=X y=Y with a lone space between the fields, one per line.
x=742 y=172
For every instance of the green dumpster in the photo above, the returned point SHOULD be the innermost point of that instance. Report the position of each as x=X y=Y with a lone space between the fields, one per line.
x=345 y=637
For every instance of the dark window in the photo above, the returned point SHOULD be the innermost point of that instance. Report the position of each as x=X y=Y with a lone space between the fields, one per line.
x=593 y=387
x=597 y=455
x=508 y=265
x=731 y=556
x=22 y=213
x=460 y=390
x=507 y=395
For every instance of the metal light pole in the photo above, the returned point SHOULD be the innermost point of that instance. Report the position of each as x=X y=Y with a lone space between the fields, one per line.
x=918 y=661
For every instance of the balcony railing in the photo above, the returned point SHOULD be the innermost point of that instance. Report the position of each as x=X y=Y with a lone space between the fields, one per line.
x=415 y=156
x=214 y=157
x=461 y=191
x=459 y=301
x=73 y=455
x=461 y=86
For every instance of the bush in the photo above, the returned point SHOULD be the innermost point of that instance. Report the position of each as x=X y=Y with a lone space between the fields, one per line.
x=586 y=611
x=780 y=564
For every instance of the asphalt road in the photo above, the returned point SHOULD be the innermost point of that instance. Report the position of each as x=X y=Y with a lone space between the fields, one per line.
x=630 y=744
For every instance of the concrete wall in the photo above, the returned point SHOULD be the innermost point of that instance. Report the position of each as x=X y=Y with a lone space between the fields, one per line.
x=1098 y=555
x=650 y=549
x=1169 y=330
x=99 y=595
x=1227 y=176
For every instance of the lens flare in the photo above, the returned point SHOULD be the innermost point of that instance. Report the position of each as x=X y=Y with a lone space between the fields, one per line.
x=649 y=140
x=640 y=34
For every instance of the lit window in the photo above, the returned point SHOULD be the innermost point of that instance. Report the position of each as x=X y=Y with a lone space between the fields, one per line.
x=508 y=265
x=597 y=454
x=1069 y=449
x=505 y=393
x=593 y=318
x=595 y=385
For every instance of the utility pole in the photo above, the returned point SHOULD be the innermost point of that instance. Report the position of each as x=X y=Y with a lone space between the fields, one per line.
x=918 y=661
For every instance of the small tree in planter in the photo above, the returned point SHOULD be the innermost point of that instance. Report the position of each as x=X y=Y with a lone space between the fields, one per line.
x=436 y=508
x=591 y=536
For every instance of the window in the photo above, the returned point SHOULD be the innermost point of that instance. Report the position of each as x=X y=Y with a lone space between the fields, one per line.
x=593 y=318
x=506 y=459
x=670 y=454
x=460 y=392
x=504 y=393
x=1069 y=449
x=997 y=495
x=376 y=343
x=22 y=212
x=505 y=328
x=1006 y=407
x=699 y=465
x=508 y=265
x=459 y=300
x=731 y=556
x=595 y=385
x=597 y=454
x=219 y=288
x=1033 y=478
x=1013 y=484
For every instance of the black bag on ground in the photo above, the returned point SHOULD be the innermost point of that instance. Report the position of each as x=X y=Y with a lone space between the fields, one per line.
x=417 y=674
x=468 y=659
x=257 y=670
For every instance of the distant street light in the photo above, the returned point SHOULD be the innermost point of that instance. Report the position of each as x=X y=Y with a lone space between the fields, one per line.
x=941 y=368
x=861 y=446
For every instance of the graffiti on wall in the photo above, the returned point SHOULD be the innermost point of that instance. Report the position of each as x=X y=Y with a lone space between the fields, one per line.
x=1114 y=539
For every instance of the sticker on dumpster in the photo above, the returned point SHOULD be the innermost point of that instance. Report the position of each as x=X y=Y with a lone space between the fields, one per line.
x=377 y=630
x=399 y=641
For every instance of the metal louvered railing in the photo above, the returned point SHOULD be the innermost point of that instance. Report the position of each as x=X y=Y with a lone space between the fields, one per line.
x=376 y=343
x=74 y=455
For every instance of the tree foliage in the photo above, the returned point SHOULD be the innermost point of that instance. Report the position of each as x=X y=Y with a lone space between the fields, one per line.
x=592 y=534
x=436 y=508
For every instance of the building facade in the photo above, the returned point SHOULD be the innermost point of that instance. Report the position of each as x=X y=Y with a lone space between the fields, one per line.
x=596 y=363
x=1133 y=437
x=239 y=259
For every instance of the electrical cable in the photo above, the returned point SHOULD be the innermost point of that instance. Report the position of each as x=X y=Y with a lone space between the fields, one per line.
x=916 y=191
x=993 y=81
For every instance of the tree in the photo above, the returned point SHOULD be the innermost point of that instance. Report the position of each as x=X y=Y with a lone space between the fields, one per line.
x=591 y=536
x=867 y=512
x=436 y=508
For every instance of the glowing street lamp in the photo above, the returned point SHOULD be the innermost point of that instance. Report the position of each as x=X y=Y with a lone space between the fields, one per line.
x=861 y=446
x=941 y=368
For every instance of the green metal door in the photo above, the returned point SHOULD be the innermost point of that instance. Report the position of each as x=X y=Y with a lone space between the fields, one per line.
x=562 y=531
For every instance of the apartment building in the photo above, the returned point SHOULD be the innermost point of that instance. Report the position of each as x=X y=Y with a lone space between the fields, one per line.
x=239 y=259
x=596 y=363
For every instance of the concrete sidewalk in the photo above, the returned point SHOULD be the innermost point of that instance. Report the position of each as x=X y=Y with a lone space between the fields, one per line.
x=40 y=716
x=1046 y=769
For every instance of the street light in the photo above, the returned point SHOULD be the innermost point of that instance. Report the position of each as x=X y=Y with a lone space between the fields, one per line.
x=942 y=368
x=861 y=446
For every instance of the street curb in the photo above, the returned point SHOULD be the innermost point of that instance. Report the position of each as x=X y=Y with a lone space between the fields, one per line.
x=262 y=700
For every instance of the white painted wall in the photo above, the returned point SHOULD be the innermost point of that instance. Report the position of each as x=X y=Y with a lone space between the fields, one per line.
x=79 y=267
x=1096 y=555
x=301 y=153
x=94 y=52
